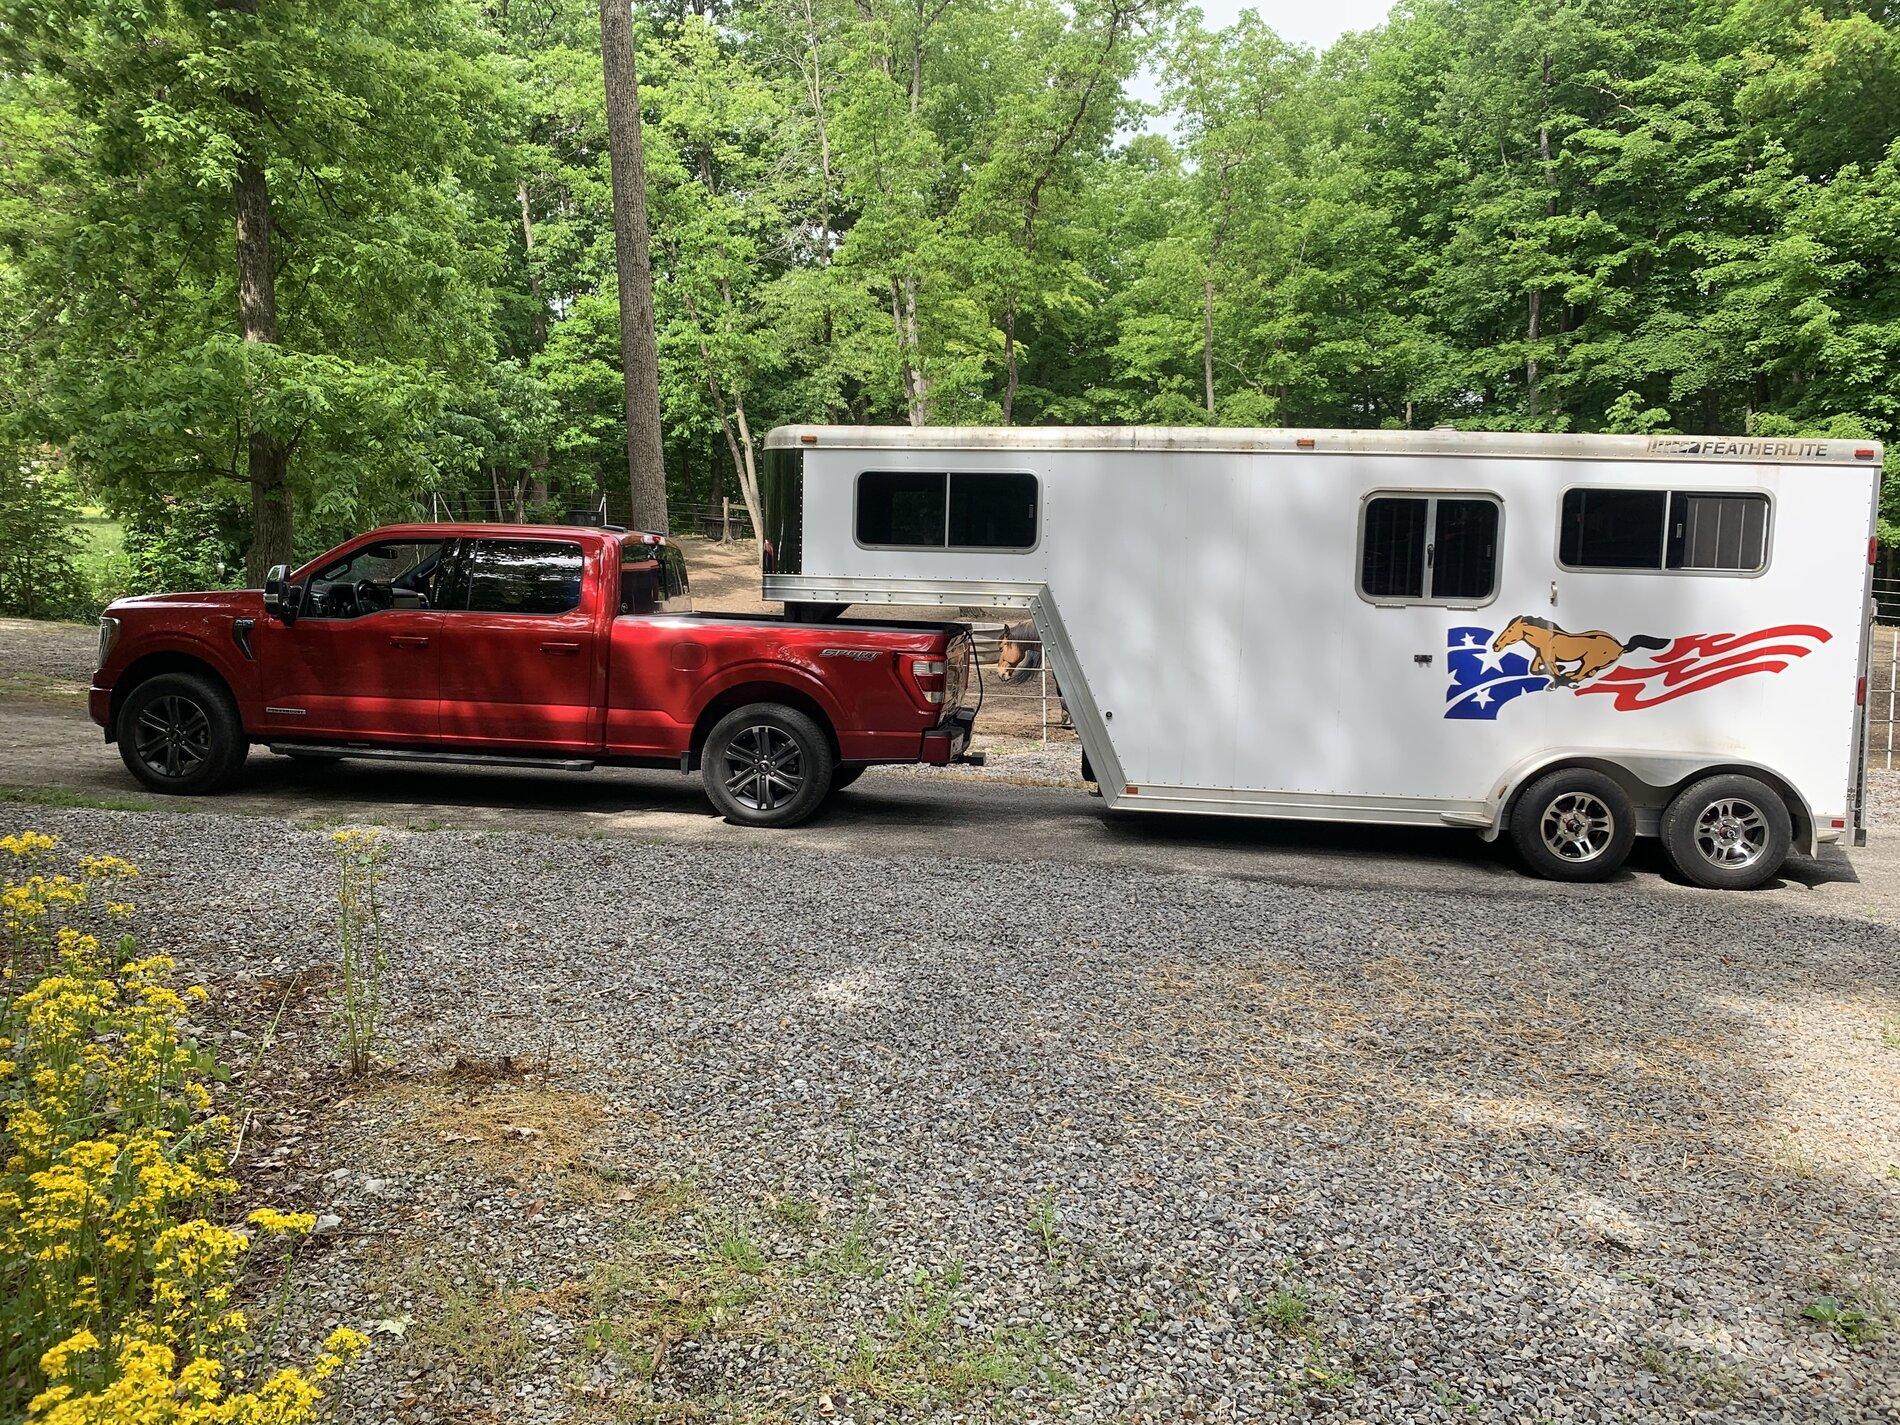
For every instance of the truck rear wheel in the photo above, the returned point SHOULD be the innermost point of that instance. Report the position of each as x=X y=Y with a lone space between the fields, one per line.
x=1729 y=833
x=1574 y=825
x=767 y=765
x=179 y=734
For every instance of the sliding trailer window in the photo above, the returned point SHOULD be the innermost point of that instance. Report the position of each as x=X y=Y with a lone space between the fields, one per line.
x=947 y=509
x=1429 y=549
x=1679 y=531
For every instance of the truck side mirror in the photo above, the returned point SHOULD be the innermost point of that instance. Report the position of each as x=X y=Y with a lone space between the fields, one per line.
x=282 y=599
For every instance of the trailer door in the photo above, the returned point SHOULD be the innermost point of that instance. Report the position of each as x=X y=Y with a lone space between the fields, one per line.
x=1428 y=570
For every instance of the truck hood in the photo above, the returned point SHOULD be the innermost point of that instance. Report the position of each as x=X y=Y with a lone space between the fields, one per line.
x=239 y=603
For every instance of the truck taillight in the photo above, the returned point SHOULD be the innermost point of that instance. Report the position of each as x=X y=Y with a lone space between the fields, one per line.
x=926 y=675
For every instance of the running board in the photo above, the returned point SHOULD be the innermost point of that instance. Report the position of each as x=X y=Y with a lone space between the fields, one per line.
x=404 y=754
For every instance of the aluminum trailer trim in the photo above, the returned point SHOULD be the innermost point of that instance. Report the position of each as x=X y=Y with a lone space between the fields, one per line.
x=1748 y=450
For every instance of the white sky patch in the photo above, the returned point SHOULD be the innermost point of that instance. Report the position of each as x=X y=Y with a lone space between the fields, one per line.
x=1314 y=23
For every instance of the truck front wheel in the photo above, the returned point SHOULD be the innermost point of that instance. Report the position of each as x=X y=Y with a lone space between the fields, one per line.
x=767 y=765
x=179 y=734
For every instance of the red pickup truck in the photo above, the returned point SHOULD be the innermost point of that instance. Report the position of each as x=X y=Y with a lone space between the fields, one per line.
x=523 y=645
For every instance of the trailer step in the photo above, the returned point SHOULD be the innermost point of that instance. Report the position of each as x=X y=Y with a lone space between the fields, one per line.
x=405 y=754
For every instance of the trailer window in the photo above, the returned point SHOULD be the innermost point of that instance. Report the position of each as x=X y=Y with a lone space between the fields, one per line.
x=1392 y=553
x=955 y=509
x=1613 y=529
x=1429 y=549
x=1728 y=532
x=1660 y=529
x=901 y=507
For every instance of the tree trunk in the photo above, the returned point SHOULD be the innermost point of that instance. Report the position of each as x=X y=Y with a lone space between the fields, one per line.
x=919 y=392
x=1207 y=340
x=1533 y=396
x=1009 y=360
x=639 y=348
x=268 y=458
x=538 y=330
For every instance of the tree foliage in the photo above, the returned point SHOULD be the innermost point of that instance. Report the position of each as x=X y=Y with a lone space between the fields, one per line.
x=1522 y=214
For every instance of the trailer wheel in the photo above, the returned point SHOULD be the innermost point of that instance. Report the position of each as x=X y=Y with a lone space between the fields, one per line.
x=1729 y=833
x=767 y=765
x=179 y=734
x=1574 y=825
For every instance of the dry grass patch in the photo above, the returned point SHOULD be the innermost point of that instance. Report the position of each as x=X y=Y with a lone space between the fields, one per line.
x=510 y=1131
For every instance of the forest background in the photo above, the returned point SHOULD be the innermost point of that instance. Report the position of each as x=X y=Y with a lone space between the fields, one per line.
x=1563 y=215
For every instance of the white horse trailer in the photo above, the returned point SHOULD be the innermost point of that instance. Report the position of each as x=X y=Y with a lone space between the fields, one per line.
x=1574 y=640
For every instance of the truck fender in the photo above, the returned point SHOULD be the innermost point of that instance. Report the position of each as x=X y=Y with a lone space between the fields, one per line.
x=760 y=679
x=180 y=652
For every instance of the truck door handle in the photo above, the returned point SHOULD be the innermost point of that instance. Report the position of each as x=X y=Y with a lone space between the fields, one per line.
x=409 y=640
x=560 y=648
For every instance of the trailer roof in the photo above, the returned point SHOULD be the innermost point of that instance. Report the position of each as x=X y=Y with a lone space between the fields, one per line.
x=1752 y=450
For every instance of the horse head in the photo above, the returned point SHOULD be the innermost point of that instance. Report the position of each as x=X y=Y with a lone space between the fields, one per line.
x=1018 y=651
x=1515 y=631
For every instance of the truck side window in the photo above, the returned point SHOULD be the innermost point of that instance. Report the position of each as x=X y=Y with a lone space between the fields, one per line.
x=1659 y=529
x=954 y=509
x=371 y=578
x=1429 y=549
x=520 y=576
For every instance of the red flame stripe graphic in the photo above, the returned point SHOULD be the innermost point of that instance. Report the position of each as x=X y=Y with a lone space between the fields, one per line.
x=1698 y=661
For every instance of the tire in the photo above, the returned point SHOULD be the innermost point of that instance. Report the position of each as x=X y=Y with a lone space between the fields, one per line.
x=738 y=780
x=1729 y=833
x=1573 y=825
x=179 y=734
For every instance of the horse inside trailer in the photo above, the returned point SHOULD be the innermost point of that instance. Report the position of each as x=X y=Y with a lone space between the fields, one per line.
x=1574 y=640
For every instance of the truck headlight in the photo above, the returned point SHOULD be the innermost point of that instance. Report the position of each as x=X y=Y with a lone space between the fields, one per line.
x=108 y=636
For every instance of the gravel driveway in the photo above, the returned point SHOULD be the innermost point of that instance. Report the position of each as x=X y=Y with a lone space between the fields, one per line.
x=759 y=1131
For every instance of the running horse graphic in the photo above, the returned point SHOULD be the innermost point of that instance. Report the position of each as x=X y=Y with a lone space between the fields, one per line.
x=1586 y=654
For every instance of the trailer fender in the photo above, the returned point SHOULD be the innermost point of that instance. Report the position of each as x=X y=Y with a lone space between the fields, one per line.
x=1651 y=779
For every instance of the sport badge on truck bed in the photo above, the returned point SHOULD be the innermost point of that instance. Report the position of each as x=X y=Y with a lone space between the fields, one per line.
x=1533 y=655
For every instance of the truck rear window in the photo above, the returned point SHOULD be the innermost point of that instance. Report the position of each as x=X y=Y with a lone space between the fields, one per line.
x=653 y=579
x=947 y=509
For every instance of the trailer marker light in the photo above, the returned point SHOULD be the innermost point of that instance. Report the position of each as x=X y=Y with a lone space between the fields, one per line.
x=1866 y=452
x=1860 y=692
x=1839 y=823
x=808 y=440
x=1873 y=548
x=1304 y=442
x=1132 y=791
